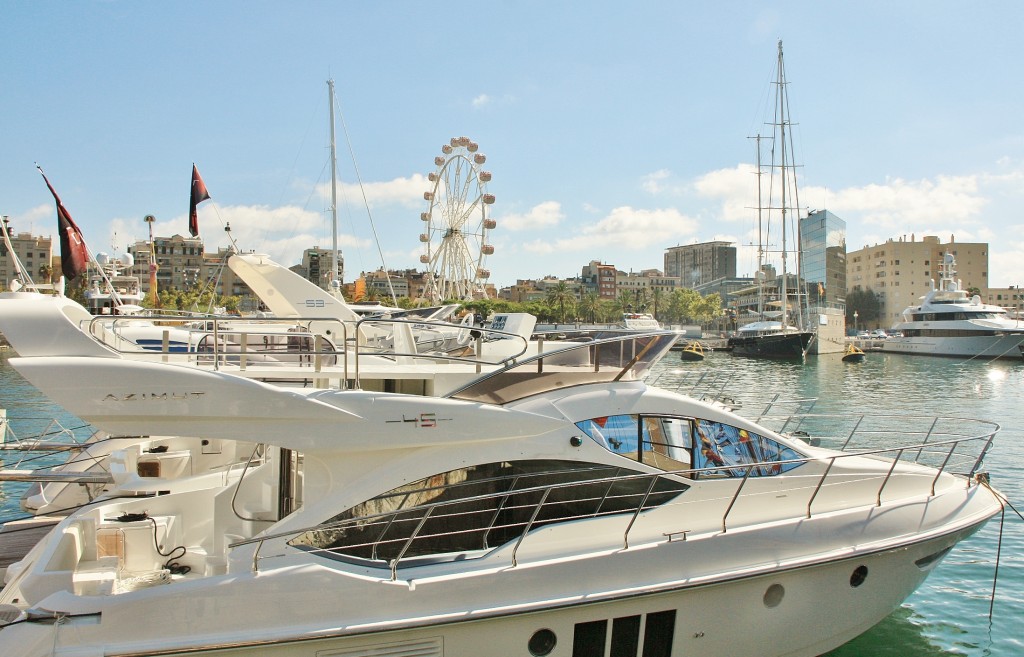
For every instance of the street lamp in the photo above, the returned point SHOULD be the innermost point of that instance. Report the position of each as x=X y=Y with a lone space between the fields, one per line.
x=855 y=322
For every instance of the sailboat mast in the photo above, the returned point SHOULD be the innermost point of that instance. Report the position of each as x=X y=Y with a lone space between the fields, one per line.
x=335 y=268
x=759 y=275
x=780 y=118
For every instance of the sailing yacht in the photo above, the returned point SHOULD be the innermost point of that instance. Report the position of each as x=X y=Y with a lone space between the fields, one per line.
x=777 y=338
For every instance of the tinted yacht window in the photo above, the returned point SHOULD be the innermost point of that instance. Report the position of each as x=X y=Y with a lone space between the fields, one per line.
x=724 y=445
x=484 y=506
x=681 y=444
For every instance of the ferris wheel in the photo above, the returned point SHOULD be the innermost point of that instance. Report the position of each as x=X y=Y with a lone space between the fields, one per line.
x=457 y=223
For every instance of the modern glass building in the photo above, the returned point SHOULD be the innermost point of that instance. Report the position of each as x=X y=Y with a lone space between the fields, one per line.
x=823 y=242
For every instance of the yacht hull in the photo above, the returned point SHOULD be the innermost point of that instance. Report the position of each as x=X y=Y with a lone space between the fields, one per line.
x=797 y=612
x=988 y=346
x=781 y=345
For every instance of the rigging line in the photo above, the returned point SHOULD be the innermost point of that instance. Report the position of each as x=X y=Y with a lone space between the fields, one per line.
x=995 y=576
x=231 y=238
x=366 y=202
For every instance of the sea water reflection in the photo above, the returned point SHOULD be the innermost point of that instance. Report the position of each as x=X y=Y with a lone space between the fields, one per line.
x=949 y=613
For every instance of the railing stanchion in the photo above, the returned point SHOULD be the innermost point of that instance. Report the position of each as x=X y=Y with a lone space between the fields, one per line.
x=639 y=508
x=408 y=543
x=529 y=525
x=899 y=455
x=821 y=481
x=736 y=495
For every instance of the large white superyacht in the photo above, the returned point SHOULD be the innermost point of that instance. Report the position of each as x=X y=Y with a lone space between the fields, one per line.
x=949 y=322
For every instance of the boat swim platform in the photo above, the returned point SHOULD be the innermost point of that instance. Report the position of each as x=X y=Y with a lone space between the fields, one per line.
x=17 y=537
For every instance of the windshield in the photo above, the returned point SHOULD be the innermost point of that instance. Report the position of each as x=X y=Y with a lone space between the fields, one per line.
x=623 y=358
x=679 y=444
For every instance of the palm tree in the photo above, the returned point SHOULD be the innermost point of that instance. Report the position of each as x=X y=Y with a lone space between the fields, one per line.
x=560 y=295
x=625 y=300
x=657 y=299
x=589 y=306
x=46 y=273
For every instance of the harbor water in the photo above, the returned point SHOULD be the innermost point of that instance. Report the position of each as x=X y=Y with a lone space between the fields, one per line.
x=953 y=612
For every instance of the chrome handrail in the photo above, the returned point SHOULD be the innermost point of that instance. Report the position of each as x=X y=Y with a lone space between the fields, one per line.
x=435 y=510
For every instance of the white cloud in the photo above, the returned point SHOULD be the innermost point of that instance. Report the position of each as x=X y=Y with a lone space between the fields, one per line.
x=654 y=183
x=735 y=189
x=283 y=233
x=624 y=228
x=406 y=192
x=481 y=101
x=902 y=206
x=38 y=213
x=544 y=215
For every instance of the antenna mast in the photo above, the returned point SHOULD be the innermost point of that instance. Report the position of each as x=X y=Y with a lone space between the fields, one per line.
x=335 y=273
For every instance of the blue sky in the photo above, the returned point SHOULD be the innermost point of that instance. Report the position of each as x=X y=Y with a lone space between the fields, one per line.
x=613 y=130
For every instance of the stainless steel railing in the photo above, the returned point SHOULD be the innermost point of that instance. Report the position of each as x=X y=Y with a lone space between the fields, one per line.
x=466 y=524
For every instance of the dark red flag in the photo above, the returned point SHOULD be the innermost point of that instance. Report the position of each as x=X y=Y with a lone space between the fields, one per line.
x=74 y=257
x=199 y=194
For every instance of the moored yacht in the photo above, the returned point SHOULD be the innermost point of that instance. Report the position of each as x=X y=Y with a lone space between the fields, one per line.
x=950 y=322
x=770 y=339
x=548 y=509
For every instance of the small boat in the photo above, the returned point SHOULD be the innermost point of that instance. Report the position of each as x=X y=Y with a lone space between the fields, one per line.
x=853 y=354
x=693 y=351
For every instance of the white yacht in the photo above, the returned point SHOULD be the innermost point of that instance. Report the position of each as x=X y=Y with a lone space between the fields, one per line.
x=112 y=288
x=640 y=322
x=562 y=510
x=409 y=353
x=949 y=322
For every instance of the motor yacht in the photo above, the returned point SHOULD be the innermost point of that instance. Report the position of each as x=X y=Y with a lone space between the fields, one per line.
x=950 y=322
x=550 y=508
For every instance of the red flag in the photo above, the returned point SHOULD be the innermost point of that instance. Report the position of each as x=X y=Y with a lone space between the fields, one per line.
x=199 y=194
x=74 y=257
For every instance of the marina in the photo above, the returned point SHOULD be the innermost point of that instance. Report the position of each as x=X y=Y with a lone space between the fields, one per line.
x=715 y=466
x=963 y=582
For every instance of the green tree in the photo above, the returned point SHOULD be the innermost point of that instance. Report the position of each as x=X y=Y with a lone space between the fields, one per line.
x=625 y=300
x=865 y=303
x=658 y=298
x=561 y=297
x=684 y=305
x=708 y=309
x=589 y=306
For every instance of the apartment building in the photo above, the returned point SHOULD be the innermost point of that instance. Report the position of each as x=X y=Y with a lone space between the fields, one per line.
x=183 y=263
x=900 y=271
x=35 y=254
x=700 y=264
x=1011 y=298
x=599 y=277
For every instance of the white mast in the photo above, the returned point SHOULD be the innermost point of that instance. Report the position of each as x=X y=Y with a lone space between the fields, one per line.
x=786 y=155
x=336 y=269
x=759 y=275
x=781 y=123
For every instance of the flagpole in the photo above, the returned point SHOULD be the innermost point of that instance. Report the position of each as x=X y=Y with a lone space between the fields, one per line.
x=76 y=234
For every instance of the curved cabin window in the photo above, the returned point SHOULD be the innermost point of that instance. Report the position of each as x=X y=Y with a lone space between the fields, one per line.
x=682 y=444
x=470 y=510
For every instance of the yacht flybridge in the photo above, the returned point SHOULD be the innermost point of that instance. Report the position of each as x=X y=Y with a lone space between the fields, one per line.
x=558 y=506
